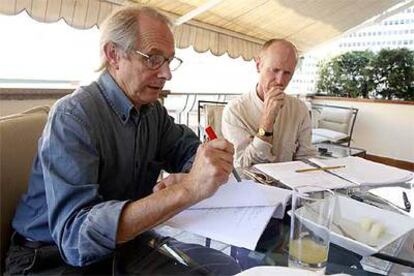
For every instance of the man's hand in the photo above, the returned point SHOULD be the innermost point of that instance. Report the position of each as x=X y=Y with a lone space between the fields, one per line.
x=172 y=179
x=273 y=101
x=212 y=165
x=211 y=168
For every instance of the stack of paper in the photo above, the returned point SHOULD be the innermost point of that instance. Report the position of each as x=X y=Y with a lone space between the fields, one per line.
x=365 y=172
x=286 y=173
x=355 y=171
x=236 y=214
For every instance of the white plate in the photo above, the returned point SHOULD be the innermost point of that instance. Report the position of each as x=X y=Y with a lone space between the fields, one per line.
x=349 y=212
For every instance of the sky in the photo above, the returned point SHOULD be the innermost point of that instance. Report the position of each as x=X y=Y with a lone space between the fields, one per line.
x=56 y=51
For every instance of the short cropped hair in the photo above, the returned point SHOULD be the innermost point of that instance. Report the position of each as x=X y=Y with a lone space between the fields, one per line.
x=121 y=28
x=272 y=41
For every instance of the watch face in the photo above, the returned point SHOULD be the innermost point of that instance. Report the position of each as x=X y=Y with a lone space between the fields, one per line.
x=262 y=132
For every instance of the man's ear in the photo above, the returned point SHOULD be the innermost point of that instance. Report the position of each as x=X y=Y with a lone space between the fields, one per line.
x=257 y=60
x=112 y=55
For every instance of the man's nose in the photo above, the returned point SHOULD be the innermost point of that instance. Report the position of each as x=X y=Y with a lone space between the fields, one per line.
x=279 y=77
x=165 y=72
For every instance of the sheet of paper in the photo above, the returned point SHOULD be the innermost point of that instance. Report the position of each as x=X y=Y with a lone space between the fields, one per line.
x=366 y=172
x=236 y=226
x=286 y=173
x=244 y=194
x=394 y=195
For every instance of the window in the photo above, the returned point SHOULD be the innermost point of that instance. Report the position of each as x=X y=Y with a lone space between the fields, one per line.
x=69 y=57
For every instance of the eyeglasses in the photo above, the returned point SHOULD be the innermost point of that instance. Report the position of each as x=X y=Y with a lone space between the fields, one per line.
x=155 y=62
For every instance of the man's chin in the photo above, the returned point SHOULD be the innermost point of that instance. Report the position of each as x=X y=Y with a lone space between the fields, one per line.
x=152 y=96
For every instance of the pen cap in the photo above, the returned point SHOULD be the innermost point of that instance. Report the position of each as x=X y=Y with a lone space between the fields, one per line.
x=210 y=133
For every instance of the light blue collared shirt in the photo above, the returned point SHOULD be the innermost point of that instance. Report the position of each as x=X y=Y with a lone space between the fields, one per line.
x=96 y=153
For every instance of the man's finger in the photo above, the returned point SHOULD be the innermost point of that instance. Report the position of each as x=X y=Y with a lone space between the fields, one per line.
x=224 y=156
x=160 y=185
x=275 y=90
x=221 y=144
x=280 y=96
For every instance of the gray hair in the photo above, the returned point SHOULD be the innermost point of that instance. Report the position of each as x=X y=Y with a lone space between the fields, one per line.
x=121 y=28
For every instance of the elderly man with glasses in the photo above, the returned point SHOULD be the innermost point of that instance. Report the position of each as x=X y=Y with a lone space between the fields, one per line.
x=94 y=183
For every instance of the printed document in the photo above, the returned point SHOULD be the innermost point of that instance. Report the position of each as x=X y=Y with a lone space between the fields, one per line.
x=236 y=226
x=236 y=214
x=245 y=194
x=366 y=172
x=356 y=171
x=285 y=172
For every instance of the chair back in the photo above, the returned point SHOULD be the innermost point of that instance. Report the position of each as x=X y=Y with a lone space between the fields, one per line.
x=213 y=113
x=19 y=135
x=335 y=118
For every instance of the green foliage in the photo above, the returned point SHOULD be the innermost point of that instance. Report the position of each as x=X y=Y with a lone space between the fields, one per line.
x=392 y=74
x=346 y=75
x=388 y=74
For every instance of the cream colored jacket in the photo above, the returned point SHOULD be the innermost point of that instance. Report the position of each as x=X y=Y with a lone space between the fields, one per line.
x=292 y=131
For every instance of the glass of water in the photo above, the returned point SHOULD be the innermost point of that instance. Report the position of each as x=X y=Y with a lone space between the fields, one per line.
x=311 y=219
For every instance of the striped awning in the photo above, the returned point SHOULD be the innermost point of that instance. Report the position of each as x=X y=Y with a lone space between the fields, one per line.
x=236 y=27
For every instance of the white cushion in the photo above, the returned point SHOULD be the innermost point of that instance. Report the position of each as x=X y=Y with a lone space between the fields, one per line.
x=318 y=139
x=331 y=135
x=335 y=119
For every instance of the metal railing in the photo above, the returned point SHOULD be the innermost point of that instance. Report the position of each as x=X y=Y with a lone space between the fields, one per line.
x=183 y=106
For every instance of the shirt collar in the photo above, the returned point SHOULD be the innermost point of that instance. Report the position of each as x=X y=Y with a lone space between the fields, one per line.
x=255 y=98
x=117 y=99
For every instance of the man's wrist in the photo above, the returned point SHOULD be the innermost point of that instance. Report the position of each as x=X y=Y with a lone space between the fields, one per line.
x=262 y=132
x=267 y=123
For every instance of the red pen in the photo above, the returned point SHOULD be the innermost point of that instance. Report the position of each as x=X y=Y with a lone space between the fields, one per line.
x=212 y=135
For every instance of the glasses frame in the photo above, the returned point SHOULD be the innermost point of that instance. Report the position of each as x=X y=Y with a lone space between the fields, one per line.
x=168 y=60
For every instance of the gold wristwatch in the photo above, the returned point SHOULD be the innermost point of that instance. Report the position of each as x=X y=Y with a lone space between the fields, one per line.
x=263 y=133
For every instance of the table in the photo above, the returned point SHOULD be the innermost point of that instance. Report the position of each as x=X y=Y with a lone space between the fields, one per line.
x=213 y=256
x=272 y=249
x=336 y=151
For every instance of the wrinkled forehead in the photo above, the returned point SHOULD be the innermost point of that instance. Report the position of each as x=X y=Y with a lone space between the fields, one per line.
x=154 y=35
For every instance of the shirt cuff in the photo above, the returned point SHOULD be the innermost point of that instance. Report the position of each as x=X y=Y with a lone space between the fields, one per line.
x=100 y=231
x=262 y=148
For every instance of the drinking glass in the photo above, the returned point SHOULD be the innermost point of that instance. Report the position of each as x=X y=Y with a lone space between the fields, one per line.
x=311 y=219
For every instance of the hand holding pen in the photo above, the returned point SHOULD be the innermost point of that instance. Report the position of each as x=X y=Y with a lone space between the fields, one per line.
x=212 y=136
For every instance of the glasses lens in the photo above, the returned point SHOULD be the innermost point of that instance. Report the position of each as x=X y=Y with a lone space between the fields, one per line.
x=155 y=61
x=175 y=63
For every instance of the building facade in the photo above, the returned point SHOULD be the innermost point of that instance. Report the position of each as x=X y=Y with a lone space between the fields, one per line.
x=396 y=31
